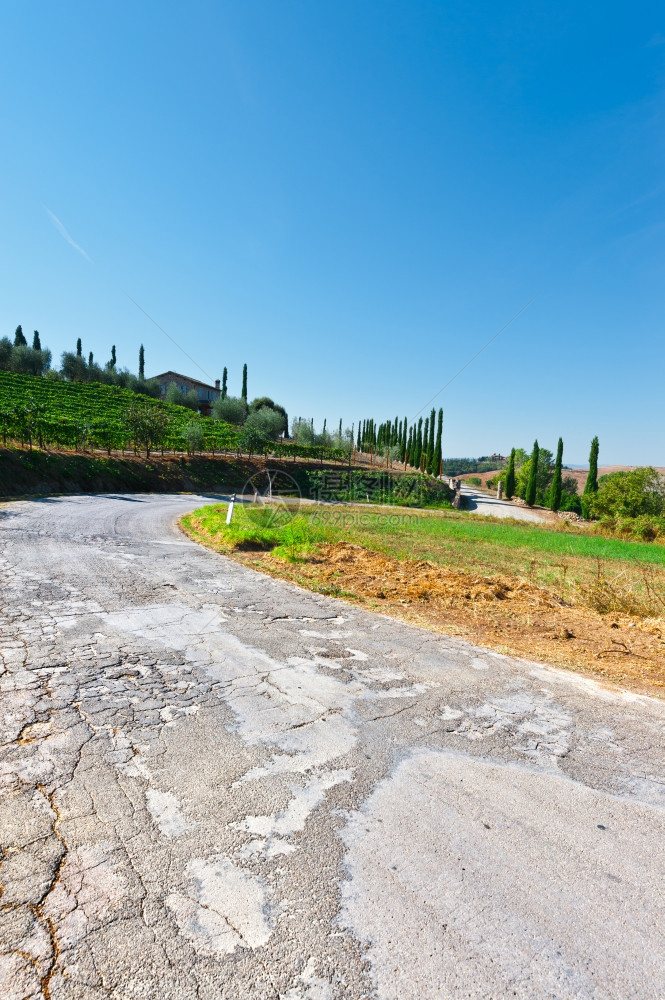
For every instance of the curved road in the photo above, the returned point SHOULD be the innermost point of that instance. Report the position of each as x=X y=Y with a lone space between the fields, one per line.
x=216 y=785
x=478 y=502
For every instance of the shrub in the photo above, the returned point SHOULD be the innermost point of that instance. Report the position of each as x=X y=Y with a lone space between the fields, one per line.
x=260 y=428
x=264 y=402
x=638 y=493
x=474 y=481
x=148 y=425
x=644 y=528
x=27 y=361
x=621 y=594
x=231 y=409
x=193 y=435
x=570 y=501
x=302 y=431
x=177 y=397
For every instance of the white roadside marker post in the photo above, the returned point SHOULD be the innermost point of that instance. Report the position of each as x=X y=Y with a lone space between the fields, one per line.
x=229 y=513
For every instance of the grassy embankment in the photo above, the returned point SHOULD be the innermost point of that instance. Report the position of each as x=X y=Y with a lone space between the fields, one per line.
x=553 y=594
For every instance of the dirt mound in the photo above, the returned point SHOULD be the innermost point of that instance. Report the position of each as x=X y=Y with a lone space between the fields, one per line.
x=385 y=578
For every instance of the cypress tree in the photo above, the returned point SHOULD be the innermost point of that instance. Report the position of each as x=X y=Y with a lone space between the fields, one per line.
x=36 y=342
x=244 y=383
x=90 y=360
x=423 y=456
x=225 y=376
x=510 y=476
x=533 y=472
x=431 y=454
x=438 y=453
x=19 y=338
x=79 y=348
x=113 y=356
x=419 y=444
x=591 y=485
x=339 y=432
x=555 y=488
x=359 y=441
x=409 y=446
x=141 y=364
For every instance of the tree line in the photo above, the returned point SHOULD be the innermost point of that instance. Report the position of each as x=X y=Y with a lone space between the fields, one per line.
x=418 y=444
x=538 y=478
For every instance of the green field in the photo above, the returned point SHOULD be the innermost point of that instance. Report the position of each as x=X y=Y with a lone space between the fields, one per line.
x=561 y=560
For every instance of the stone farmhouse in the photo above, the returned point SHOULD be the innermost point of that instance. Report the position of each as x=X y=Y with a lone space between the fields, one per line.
x=207 y=393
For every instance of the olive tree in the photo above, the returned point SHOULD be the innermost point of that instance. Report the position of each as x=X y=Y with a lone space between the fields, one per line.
x=231 y=409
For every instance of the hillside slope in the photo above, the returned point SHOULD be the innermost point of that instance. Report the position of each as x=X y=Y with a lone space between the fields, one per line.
x=76 y=414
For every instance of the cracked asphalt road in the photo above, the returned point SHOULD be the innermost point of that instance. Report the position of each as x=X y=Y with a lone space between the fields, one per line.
x=217 y=785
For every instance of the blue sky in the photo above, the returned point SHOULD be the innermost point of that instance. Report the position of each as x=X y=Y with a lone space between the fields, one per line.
x=352 y=197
